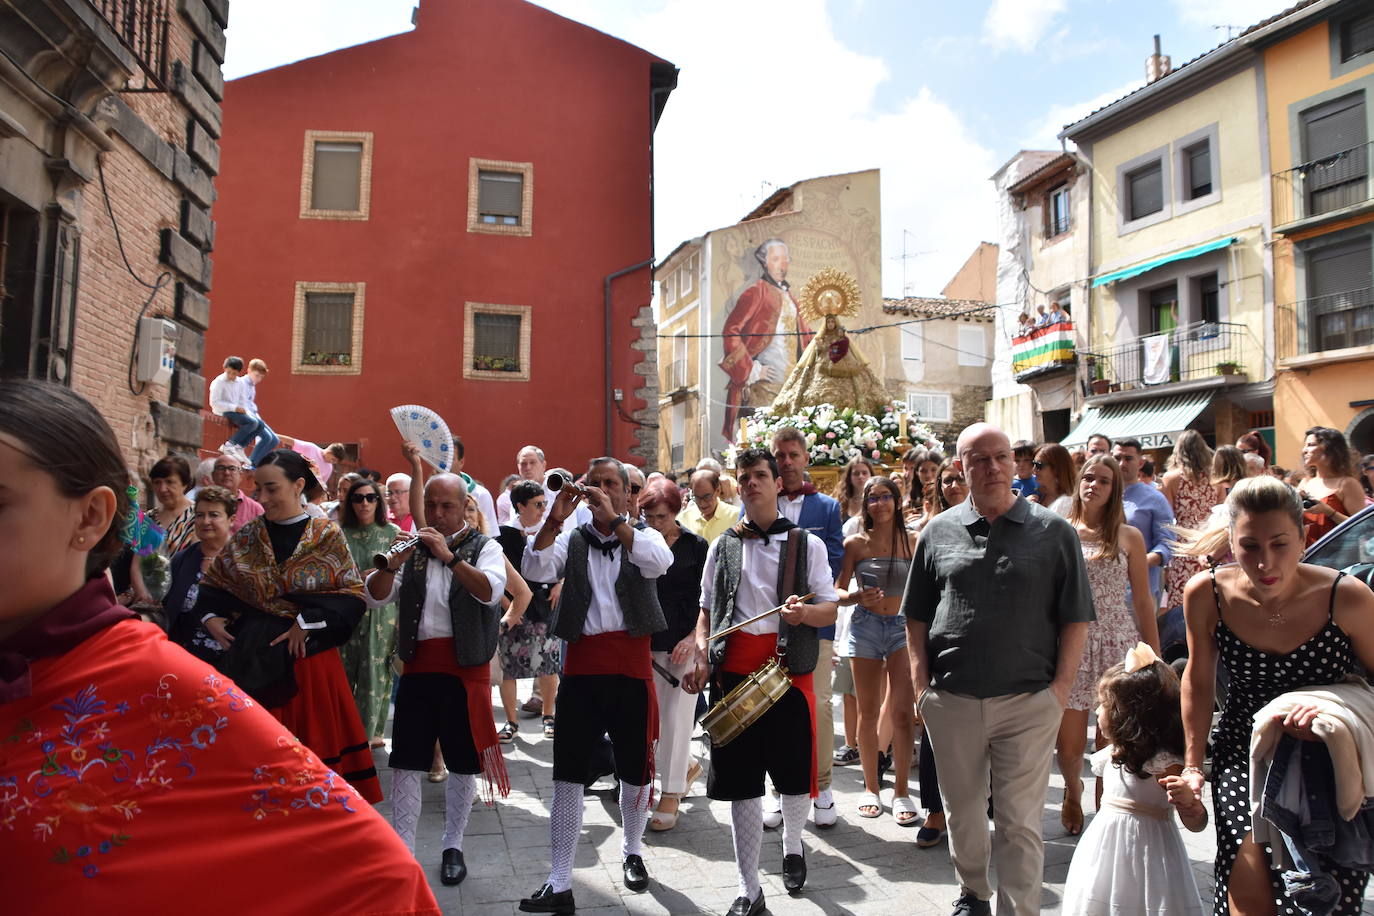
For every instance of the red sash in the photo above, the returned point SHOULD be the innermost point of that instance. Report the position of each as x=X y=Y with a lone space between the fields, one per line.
x=746 y=653
x=436 y=656
x=617 y=652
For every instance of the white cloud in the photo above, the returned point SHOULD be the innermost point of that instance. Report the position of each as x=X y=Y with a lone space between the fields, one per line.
x=1044 y=132
x=1241 y=13
x=1020 y=24
x=768 y=96
x=269 y=33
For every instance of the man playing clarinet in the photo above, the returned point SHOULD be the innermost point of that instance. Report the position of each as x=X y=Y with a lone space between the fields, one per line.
x=761 y=564
x=607 y=612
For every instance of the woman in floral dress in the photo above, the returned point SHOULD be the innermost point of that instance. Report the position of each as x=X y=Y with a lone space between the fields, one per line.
x=1114 y=553
x=367 y=654
x=1188 y=487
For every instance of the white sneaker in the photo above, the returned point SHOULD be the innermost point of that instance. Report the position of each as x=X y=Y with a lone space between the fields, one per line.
x=823 y=811
x=772 y=811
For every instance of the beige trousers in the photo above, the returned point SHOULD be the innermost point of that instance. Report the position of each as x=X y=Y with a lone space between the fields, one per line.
x=1006 y=741
x=823 y=684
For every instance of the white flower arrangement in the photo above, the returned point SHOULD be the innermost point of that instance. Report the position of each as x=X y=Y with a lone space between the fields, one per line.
x=835 y=435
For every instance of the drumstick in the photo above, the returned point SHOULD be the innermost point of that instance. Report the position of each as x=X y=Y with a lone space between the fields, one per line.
x=739 y=626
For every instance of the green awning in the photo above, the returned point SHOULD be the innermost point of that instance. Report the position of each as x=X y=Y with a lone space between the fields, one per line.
x=1156 y=422
x=1127 y=272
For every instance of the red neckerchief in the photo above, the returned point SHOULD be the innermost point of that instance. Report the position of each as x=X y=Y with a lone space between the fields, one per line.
x=806 y=489
x=89 y=610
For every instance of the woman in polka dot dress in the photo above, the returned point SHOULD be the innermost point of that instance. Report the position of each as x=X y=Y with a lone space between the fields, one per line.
x=1277 y=624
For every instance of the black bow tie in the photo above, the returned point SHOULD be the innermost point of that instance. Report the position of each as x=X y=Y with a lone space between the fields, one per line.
x=607 y=548
x=781 y=525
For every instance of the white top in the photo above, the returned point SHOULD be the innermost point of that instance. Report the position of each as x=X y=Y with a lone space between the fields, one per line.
x=650 y=554
x=790 y=507
x=486 y=506
x=225 y=394
x=758 y=580
x=248 y=391
x=435 y=620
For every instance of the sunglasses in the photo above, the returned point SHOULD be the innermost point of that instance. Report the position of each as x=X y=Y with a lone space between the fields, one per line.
x=1038 y=465
x=363 y=498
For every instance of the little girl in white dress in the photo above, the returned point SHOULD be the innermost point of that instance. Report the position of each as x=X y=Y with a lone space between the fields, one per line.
x=1130 y=861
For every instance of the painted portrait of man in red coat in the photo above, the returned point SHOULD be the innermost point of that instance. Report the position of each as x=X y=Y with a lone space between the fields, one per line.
x=764 y=336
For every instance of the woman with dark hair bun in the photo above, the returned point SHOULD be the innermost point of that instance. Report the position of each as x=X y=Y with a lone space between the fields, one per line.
x=281 y=598
x=124 y=753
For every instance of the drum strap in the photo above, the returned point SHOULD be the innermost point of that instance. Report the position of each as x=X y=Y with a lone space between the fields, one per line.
x=787 y=582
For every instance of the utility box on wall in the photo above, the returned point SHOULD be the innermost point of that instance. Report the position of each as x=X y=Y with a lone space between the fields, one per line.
x=157 y=350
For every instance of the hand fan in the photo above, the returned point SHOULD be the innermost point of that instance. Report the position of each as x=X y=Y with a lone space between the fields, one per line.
x=428 y=431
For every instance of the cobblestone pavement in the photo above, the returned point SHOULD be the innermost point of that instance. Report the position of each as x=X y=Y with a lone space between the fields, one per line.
x=866 y=867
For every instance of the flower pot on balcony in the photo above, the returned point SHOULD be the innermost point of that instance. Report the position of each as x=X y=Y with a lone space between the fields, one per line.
x=1101 y=386
x=1228 y=368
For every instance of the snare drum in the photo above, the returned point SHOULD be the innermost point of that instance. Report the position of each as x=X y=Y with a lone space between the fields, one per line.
x=742 y=706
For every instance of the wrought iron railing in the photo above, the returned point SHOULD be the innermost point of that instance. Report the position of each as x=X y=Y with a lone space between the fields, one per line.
x=1323 y=323
x=1193 y=351
x=1323 y=186
x=142 y=27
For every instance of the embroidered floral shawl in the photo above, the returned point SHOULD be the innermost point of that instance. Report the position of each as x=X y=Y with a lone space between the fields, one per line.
x=321 y=564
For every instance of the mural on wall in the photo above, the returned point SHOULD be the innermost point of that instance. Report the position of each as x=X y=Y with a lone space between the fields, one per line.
x=757 y=269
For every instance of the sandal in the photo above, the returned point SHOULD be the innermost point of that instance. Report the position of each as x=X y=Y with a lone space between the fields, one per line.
x=904 y=811
x=508 y=732
x=693 y=774
x=666 y=820
x=846 y=755
x=929 y=836
x=1071 y=816
x=870 y=805
x=548 y=726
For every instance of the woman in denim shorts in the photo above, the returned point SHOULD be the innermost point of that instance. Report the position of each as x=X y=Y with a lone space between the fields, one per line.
x=879 y=556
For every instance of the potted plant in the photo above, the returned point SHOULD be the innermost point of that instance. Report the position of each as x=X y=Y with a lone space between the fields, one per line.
x=1228 y=367
x=1100 y=385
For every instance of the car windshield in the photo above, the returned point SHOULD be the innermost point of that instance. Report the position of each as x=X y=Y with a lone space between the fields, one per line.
x=1349 y=549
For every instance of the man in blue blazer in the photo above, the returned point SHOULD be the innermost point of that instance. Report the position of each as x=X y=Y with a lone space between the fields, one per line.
x=820 y=515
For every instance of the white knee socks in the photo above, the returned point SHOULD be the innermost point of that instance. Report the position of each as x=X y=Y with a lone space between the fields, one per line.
x=746 y=824
x=565 y=826
x=634 y=816
x=458 y=794
x=794 y=808
x=405 y=804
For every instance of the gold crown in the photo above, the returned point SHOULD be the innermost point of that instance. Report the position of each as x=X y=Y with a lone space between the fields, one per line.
x=829 y=292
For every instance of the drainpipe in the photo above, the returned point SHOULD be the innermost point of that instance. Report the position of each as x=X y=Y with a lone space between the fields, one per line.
x=610 y=391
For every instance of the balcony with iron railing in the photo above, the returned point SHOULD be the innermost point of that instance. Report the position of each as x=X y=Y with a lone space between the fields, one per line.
x=1187 y=353
x=1325 y=325
x=1323 y=189
x=142 y=27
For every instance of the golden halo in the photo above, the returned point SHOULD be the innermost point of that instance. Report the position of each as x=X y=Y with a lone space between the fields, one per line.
x=829 y=292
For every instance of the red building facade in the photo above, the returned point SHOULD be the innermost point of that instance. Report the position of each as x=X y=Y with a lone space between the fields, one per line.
x=459 y=216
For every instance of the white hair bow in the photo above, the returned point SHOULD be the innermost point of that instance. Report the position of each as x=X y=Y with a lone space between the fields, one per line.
x=1139 y=657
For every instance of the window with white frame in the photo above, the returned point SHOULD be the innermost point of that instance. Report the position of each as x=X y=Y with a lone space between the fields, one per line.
x=677 y=370
x=677 y=441
x=929 y=405
x=972 y=344
x=687 y=278
x=913 y=341
x=1057 y=211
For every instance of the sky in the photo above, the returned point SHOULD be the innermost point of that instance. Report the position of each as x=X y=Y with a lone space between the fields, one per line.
x=936 y=95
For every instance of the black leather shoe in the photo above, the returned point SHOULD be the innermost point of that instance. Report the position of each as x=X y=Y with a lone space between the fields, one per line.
x=636 y=875
x=546 y=900
x=744 y=907
x=454 y=869
x=794 y=873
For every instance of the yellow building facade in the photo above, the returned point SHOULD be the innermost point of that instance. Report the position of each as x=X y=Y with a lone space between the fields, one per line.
x=1179 y=321
x=1319 y=79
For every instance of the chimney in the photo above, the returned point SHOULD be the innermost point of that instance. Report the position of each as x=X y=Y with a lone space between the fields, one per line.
x=415 y=16
x=1157 y=66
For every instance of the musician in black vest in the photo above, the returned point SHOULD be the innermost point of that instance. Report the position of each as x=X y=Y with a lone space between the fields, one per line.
x=753 y=567
x=607 y=611
x=449 y=589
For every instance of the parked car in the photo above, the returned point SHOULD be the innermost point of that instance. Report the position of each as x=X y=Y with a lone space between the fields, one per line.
x=1348 y=547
